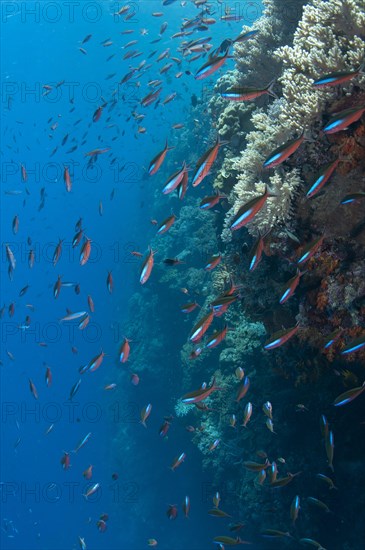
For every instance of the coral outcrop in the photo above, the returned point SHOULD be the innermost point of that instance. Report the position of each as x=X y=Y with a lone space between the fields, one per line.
x=330 y=37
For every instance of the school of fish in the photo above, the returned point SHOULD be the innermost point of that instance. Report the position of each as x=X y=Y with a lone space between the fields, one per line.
x=186 y=46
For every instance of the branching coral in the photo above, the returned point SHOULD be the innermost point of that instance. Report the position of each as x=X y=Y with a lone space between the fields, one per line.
x=255 y=66
x=277 y=24
x=181 y=409
x=244 y=339
x=330 y=36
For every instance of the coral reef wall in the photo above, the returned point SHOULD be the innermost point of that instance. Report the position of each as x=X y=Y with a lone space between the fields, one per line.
x=330 y=37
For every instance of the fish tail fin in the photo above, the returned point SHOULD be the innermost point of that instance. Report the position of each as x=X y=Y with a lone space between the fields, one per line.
x=265 y=233
x=222 y=142
x=270 y=87
x=269 y=192
x=307 y=136
x=214 y=387
x=169 y=148
x=345 y=158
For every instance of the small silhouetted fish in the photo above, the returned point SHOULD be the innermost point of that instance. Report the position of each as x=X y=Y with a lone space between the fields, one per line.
x=172 y=261
x=23 y=290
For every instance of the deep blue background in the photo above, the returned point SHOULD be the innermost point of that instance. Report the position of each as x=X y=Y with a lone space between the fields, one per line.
x=39 y=50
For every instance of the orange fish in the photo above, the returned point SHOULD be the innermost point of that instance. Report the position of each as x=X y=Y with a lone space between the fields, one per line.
x=110 y=387
x=147 y=267
x=157 y=161
x=186 y=506
x=205 y=163
x=145 y=413
x=188 y=308
x=33 y=389
x=174 y=180
x=85 y=251
x=124 y=350
x=57 y=252
x=216 y=338
x=166 y=224
x=57 y=287
x=95 y=363
x=92 y=490
x=183 y=186
x=213 y=262
x=88 y=472
x=48 y=377
x=243 y=389
x=177 y=461
x=95 y=152
x=10 y=257
x=65 y=461
x=15 y=225
x=201 y=327
x=200 y=394
x=134 y=379
x=24 y=173
x=31 y=259
x=97 y=114
x=67 y=179
x=213 y=445
x=249 y=210
x=110 y=282
x=91 y=303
